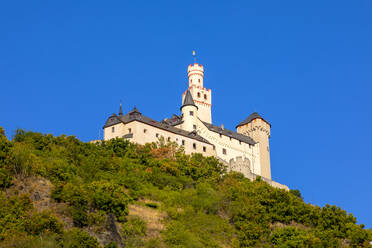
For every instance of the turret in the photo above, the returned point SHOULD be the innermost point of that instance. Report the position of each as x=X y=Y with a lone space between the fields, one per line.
x=189 y=113
x=201 y=95
x=121 y=109
x=258 y=128
x=195 y=74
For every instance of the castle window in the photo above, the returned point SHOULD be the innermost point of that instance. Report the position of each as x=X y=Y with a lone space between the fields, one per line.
x=199 y=80
x=220 y=135
x=156 y=135
x=191 y=113
x=183 y=142
x=240 y=142
x=204 y=149
x=224 y=152
x=214 y=148
x=230 y=138
x=205 y=96
x=129 y=130
x=194 y=146
x=194 y=126
x=113 y=129
x=168 y=138
x=144 y=130
x=191 y=80
x=198 y=94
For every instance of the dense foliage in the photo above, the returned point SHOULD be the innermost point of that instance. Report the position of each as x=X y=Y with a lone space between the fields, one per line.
x=204 y=205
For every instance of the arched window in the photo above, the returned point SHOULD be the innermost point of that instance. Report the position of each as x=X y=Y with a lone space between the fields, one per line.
x=198 y=94
x=205 y=96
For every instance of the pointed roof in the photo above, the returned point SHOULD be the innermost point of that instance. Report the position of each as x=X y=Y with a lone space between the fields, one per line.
x=188 y=101
x=252 y=117
x=121 y=109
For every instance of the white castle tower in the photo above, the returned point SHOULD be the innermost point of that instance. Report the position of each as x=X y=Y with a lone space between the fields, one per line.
x=202 y=96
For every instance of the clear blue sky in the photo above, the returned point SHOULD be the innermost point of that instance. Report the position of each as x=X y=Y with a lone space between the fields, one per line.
x=306 y=66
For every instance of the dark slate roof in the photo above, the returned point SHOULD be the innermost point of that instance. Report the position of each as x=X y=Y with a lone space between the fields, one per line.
x=135 y=115
x=174 y=120
x=229 y=133
x=188 y=101
x=128 y=136
x=250 y=118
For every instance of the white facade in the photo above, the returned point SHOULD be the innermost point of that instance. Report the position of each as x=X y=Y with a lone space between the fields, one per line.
x=246 y=150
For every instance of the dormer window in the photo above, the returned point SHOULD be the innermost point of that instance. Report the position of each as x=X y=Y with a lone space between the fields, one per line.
x=192 y=113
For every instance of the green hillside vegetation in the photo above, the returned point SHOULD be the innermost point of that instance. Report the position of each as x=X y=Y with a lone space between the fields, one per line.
x=61 y=192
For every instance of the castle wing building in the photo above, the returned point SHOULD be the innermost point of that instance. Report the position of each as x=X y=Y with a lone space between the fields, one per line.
x=245 y=150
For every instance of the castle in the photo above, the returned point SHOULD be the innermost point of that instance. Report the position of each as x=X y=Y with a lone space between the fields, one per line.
x=246 y=150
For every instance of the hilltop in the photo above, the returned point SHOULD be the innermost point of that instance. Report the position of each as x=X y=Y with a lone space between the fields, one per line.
x=62 y=192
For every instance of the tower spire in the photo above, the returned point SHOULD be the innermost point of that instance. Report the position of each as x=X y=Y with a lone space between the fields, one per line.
x=121 y=109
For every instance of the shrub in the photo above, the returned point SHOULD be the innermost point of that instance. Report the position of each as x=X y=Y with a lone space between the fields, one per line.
x=110 y=198
x=5 y=178
x=133 y=231
x=43 y=222
x=75 y=238
x=293 y=237
x=152 y=205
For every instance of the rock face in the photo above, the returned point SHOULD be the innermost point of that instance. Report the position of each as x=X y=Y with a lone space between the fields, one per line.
x=39 y=189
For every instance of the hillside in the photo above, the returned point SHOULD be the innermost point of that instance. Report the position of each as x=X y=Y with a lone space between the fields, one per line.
x=61 y=192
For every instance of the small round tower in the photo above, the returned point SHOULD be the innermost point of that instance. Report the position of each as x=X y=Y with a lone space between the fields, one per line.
x=189 y=113
x=258 y=128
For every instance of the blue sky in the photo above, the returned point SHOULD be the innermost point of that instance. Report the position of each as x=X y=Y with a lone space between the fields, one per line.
x=306 y=66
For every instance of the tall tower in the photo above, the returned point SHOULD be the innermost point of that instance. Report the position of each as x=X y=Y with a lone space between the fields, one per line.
x=202 y=96
x=258 y=128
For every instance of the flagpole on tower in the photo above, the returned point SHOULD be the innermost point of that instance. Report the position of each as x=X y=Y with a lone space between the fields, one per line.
x=194 y=55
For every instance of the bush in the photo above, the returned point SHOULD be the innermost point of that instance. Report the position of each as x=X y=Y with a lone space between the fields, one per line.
x=133 y=232
x=75 y=238
x=110 y=198
x=43 y=222
x=294 y=237
x=5 y=178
